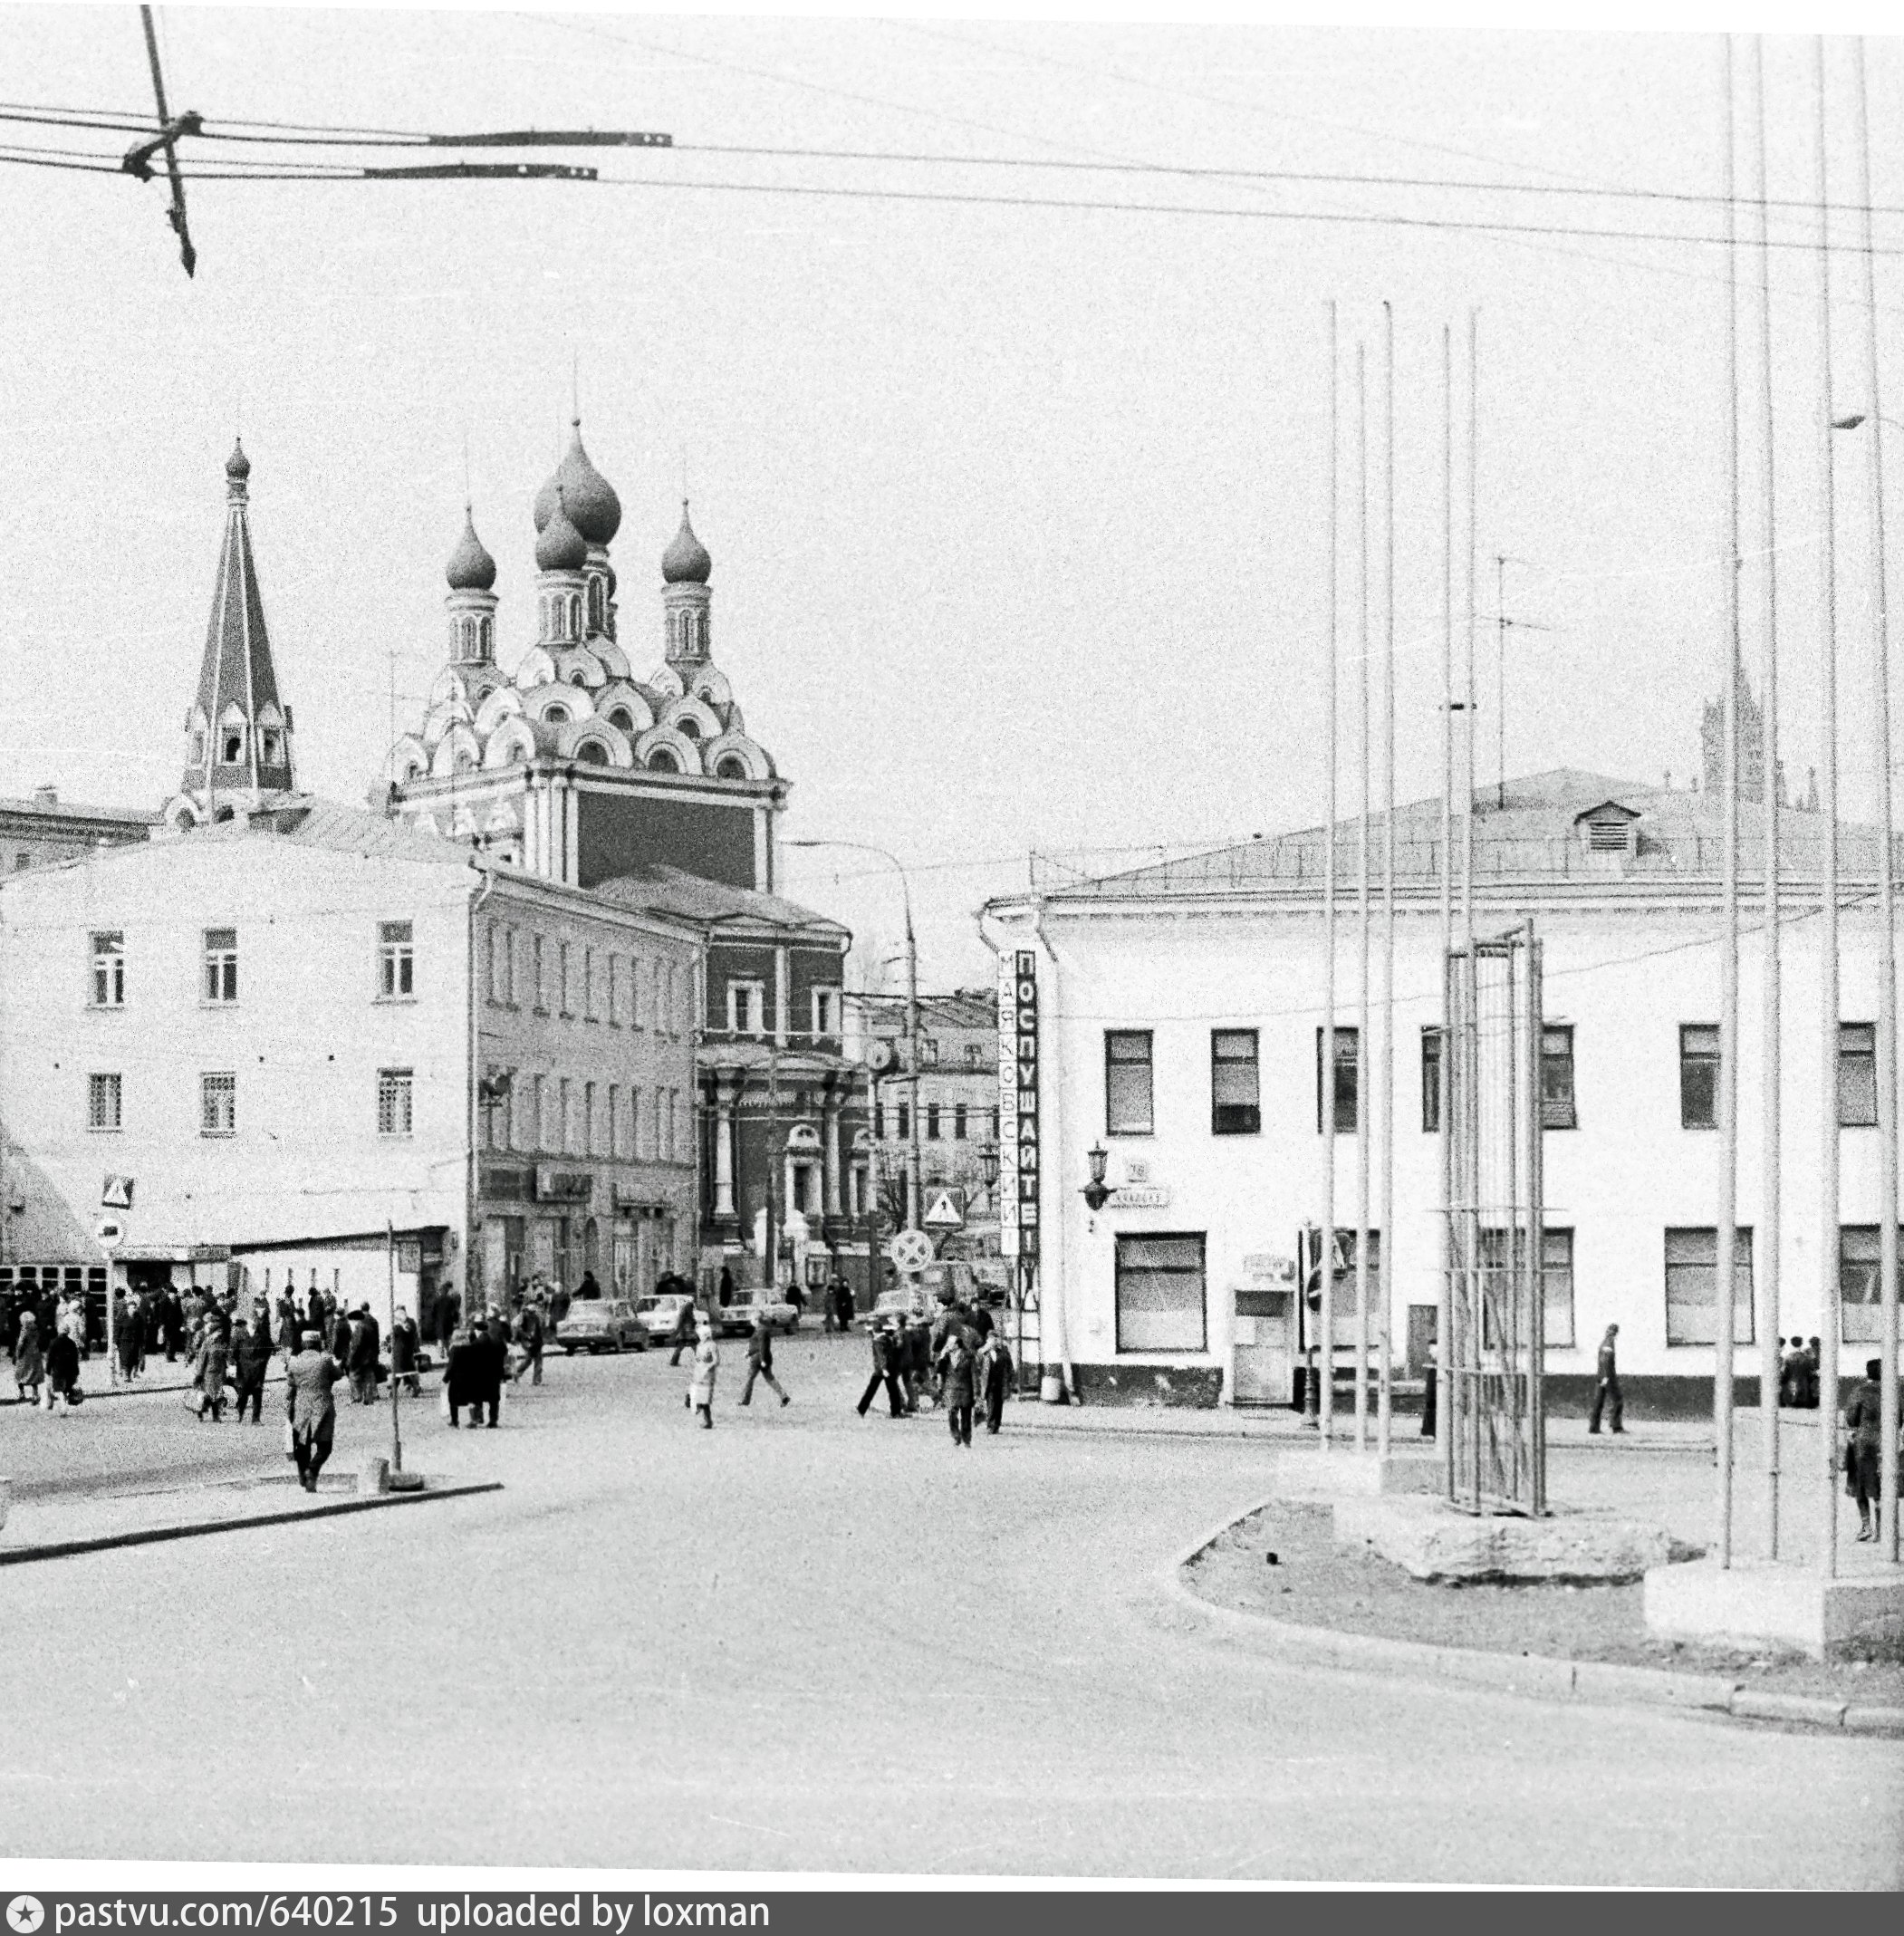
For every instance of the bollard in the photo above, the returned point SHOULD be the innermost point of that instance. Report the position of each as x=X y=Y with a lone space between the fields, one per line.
x=374 y=1476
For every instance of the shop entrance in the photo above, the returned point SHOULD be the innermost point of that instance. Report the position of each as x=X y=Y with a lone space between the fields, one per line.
x=1265 y=1346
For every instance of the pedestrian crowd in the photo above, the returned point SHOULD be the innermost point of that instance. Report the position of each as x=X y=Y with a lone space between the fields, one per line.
x=960 y=1364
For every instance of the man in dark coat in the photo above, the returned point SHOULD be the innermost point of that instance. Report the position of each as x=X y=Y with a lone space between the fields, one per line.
x=463 y=1376
x=588 y=1288
x=289 y=1329
x=213 y=1355
x=760 y=1360
x=450 y=1312
x=727 y=1287
x=1863 y=1417
x=337 y=1340
x=529 y=1336
x=406 y=1343
x=1606 y=1390
x=366 y=1341
x=883 y=1372
x=251 y=1358
x=956 y=1387
x=308 y=1404
x=994 y=1380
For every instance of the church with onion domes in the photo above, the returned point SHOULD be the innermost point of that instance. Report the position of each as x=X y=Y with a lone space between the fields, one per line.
x=577 y=766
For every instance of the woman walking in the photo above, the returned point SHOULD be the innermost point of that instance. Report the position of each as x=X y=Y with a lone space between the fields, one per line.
x=214 y=1353
x=707 y=1366
x=130 y=1337
x=29 y=1361
x=310 y=1408
x=63 y=1370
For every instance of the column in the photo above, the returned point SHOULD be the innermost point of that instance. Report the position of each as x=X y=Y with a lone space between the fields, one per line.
x=830 y=1145
x=725 y=1128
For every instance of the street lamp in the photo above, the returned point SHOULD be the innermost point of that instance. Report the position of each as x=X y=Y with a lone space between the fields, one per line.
x=989 y=1166
x=912 y=999
x=1097 y=1192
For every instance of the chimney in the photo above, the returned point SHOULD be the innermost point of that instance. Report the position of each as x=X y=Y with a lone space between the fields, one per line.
x=46 y=796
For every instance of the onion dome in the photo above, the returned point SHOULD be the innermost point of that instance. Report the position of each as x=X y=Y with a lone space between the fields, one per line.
x=238 y=469
x=685 y=561
x=560 y=547
x=588 y=497
x=470 y=566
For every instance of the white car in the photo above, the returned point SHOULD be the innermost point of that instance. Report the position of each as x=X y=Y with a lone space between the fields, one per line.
x=738 y=1319
x=602 y=1324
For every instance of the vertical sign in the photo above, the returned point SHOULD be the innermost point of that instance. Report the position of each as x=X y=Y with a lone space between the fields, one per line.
x=1027 y=1164
x=1008 y=1103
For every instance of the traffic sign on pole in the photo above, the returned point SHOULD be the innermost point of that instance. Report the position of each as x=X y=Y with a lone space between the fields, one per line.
x=945 y=1213
x=910 y=1251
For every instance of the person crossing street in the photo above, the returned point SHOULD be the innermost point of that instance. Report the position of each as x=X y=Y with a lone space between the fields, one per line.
x=760 y=1360
x=1607 y=1393
x=885 y=1370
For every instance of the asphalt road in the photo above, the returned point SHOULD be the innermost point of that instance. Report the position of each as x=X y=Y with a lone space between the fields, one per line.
x=809 y=1642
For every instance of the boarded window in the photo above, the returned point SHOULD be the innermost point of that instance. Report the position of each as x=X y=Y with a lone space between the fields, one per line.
x=1160 y=1294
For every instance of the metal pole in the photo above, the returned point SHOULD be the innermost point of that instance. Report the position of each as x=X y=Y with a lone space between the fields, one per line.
x=1727 y=1208
x=912 y=1030
x=1771 y=1370
x=874 y=1277
x=1828 y=1234
x=1441 y=1362
x=1383 y=1370
x=1536 y=1234
x=1467 y=809
x=1323 y=1385
x=1364 y=1098
x=1500 y=678
x=1886 y=901
x=389 y=1252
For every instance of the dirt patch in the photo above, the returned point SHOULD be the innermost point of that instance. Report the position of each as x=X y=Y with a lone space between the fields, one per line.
x=1315 y=1583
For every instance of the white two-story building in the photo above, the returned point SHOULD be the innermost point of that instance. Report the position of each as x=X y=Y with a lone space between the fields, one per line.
x=1179 y=1010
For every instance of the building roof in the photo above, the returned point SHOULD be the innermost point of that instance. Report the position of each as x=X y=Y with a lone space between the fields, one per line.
x=56 y=810
x=1523 y=831
x=670 y=891
x=308 y=822
x=973 y=1008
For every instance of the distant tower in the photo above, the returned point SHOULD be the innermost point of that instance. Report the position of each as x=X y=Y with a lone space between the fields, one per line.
x=591 y=507
x=238 y=732
x=561 y=575
x=1752 y=741
x=685 y=568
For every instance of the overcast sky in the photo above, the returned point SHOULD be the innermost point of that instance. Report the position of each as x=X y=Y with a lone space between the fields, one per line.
x=1018 y=514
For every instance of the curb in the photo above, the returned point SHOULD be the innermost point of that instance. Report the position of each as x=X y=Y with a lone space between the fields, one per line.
x=1540 y=1676
x=154 y=1535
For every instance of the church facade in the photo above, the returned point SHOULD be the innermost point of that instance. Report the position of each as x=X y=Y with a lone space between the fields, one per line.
x=648 y=786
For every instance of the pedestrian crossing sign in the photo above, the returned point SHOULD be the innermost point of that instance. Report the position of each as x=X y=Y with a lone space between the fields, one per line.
x=944 y=1214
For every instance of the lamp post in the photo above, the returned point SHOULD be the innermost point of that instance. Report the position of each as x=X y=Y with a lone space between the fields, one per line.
x=1097 y=1193
x=912 y=1003
x=989 y=1166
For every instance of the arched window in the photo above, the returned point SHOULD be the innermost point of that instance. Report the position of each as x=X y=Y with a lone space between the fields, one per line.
x=597 y=599
x=269 y=752
x=576 y=678
x=557 y=716
x=662 y=761
x=731 y=768
x=232 y=748
x=574 y=614
x=620 y=717
x=593 y=752
x=688 y=729
x=489 y=634
x=518 y=754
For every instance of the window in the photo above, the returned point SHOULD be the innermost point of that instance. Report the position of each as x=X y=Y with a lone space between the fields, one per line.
x=1557 y=1282
x=1236 y=1095
x=1557 y=1079
x=541 y=984
x=221 y=964
x=637 y=993
x=1161 y=1301
x=879 y=1122
x=928 y=1052
x=1347 y=1086
x=1860 y=1304
x=109 y=970
x=493 y=962
x=904 y=1130
x=234 y=738
x=959 y=1123
x=566 y=988
x=932 y=1122
x=1128 y=1110
x=589 y=1011
x=635 y=1147
x=396 y=962
x=975 y=1055
x=1692 y=1259
x=747 y=1007
x=614 y=1120
x=268 y=745
x=509 y=968
x=1857 y=1075
x=588 y=1119
x=1698 y=1076
x=103 y=1102
x=564 y=1102
x=394 y=1088
x=617 y=990
x=22 y=862
x=826 y=1011
x=218 y=1103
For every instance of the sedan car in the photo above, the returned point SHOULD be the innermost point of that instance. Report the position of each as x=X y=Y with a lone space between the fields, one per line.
x=602 y=1324
x=736 y=1320
x=667 y=1317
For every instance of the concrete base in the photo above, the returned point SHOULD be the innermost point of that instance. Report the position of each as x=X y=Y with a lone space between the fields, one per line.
x=373 y=1475
x=1856 y=1616
x=1326 y=1473
x=406 y=1482
x=1431 y=1540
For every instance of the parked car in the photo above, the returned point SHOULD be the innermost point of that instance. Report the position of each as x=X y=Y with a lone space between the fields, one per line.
x=736 y=1320
x=602 y=1324
x=906 y=1300
x=667 y=1317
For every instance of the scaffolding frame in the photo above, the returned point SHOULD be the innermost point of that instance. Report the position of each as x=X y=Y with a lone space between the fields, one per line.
x=1495 y=1449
